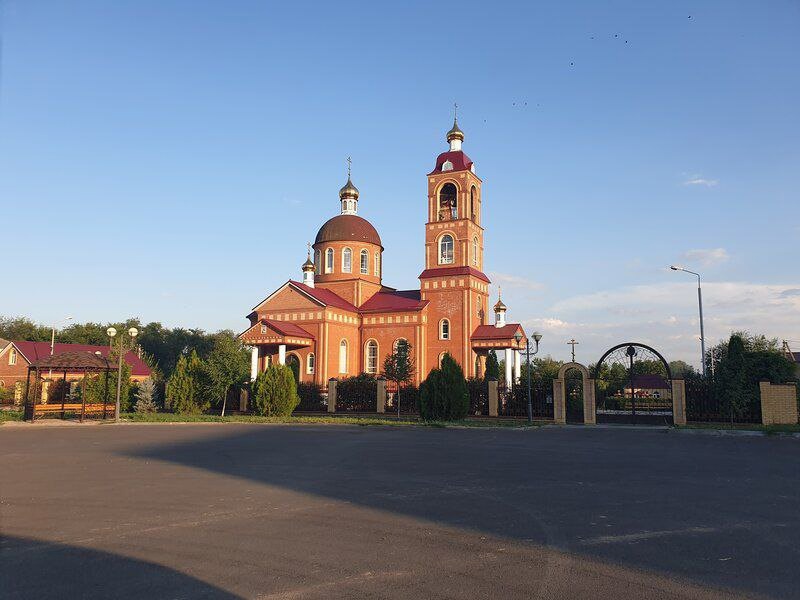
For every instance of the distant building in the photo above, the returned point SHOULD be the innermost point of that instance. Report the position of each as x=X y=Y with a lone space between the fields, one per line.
x=16 y=357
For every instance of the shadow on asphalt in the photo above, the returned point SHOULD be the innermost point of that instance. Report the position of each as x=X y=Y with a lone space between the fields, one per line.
x=39 y=569
x=721 y=512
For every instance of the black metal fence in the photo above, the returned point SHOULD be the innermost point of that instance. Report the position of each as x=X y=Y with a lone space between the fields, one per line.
x=409 y=399
x=514 y=402
x=707 y=403
x=478 y=397
x=311 y=398
x=357 y=394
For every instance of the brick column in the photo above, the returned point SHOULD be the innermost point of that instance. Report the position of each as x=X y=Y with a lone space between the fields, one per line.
x=332 y=395
x=589 y=408
x=559 y=402
x=778 y=403
x=492 y=397
x=381 y=395
x=679 y=402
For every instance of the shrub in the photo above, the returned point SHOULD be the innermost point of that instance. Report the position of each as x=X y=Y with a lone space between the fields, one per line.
x=275 y=392
x=311 y=399
x=443 y=395
x=181 y=392
x=492 y=366
x=357 y=394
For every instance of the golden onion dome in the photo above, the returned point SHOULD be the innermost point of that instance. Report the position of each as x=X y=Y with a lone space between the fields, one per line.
x=455 y=132
x=348 y=191
x=499 y=306
x=308 y=265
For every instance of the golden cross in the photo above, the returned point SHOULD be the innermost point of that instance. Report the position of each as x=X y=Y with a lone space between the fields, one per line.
x=308 y=245
x=349 y=163
x=455 y=111
x=572 y=343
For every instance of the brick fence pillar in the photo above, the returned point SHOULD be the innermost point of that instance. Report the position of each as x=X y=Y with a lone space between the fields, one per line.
x=332 y=394
x=679 y=402
x=778 y=403
x=589 y=408
x=492 y=397
x=381 y=395
x=559 y=402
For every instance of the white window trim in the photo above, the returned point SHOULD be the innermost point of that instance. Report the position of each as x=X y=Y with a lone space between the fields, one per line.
x=442 y=260
x=372 y=343
x=343 y=345
x=347 y=265
x=377 y=264
x=12 y=356
x=310 y=363
x=442 y=335
x=329 y=254
x=363 y=261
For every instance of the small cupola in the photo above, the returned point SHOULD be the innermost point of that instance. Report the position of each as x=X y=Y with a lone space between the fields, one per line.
x=455 y=136
x=308 y=270
x=499 y=312
x=348 y=195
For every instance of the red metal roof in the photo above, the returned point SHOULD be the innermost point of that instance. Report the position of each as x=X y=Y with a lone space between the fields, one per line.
x=327 y=297
x=490 y=332
x=393 y=300
x=450 y=271
x=461 y=162
x=650 y=382
x=287 y=328
x=33 y=351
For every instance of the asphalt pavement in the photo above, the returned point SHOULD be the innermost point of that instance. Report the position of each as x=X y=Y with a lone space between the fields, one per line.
x=329 y=511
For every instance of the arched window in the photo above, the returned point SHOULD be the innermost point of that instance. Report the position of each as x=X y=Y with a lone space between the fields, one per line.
x=364 y=262
x=448 y=203
x=371 y=357
x=343 y=356
x=446 y=249
x=475 y=251
x=12 y=356
x=472 y=201
x=377 y=264
x=347 y=260
x=447 y=166
x=317 y=262
x=444 y=329
x=329 y=260
x=310 y=363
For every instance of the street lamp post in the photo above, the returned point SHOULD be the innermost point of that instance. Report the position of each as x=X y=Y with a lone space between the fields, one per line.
x=536 y=338
x=700 y=304
x=111 y=331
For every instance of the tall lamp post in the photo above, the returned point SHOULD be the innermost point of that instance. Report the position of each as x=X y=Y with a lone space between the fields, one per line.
x=700 y=303
x=536 y=337
x=111 y=331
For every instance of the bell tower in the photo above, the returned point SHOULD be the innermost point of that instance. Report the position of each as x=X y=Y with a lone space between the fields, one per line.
x=453 y=281
x=453 y=233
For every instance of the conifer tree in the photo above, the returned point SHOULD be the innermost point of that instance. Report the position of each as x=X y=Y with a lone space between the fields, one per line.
x=145 y=397
x=275 y=392
x=492 y=366
x=180 y=389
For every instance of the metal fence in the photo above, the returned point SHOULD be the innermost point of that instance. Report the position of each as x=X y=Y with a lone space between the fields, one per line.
x=311 y=398
x=513 y=402
x=478 y=397
x=706 y=403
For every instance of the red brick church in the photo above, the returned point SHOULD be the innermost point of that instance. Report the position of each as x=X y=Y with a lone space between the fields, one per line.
x=341 y=320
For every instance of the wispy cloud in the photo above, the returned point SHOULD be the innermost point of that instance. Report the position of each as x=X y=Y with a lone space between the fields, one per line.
x=514 y=281
x=707 y=256
x=665 y=316
x=698 y=180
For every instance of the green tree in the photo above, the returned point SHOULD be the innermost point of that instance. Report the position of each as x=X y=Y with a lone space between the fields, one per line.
x=732 y=377
x=180 y=390
x=228 y=365
x=103 y=388
x=399 y=367
x=492 y=366
x=275 y=392
x=443 y=394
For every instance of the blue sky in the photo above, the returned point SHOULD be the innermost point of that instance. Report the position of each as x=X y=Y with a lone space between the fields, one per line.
x=170 y=159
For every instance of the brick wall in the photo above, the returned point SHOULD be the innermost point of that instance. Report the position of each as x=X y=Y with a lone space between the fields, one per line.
x=778 y=403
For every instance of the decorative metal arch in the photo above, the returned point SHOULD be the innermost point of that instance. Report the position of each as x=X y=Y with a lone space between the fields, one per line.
x=645 y=346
